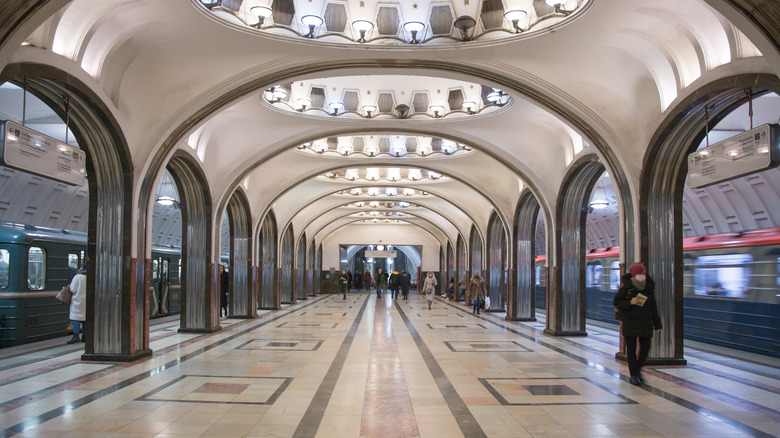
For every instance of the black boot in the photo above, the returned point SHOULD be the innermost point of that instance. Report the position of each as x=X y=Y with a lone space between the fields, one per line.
x=74 y=339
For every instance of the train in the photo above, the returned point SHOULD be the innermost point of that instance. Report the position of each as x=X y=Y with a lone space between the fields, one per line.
x=36 y=262
x=731 y=288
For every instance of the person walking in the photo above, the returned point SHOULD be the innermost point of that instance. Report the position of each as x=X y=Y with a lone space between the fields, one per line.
x=381 y=282
x=395 y=282
x=429 y=288
x=78 y=304
x=224 y=284
x=343 y=283
x=367 y=281
x=406 y=283
x=476 y=292
x=636 y=299
x=349 y=280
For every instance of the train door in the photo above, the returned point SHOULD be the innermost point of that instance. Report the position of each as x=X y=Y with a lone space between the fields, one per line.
x=75 y=259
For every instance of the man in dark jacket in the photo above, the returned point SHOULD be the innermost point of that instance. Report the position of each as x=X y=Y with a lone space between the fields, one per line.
x=224 y=284
x=394 y=282
x=636 y=298
x=406 y=283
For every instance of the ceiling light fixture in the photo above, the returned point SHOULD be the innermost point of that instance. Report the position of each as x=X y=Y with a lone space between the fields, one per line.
x=600 y=203
x=514 y=16
x=414 y=28
x=438 y=110
x=262 y=13
x=335 y=107
x=312 y=22
x=464 y=23
x=369 y=109
x=304 y=102
x=363 y=27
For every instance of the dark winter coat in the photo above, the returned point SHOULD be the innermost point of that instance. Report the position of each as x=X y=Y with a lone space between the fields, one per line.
x=224 y=283
x=637 y=320
x=406 y=281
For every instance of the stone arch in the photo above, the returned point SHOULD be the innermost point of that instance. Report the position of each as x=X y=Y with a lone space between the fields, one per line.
x=521 y=305
x=267 y=256
x=462 y=268
x=286 y=260
x=199 y=298
x=661 y=192
x=116 y=310
x=566 y=309
x=300 y=269
x=242 y=301
x=496 y=277
x=476 y=257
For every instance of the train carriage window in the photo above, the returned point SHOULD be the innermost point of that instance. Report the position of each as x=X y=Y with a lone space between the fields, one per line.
x=723 y=275
x=5 y=271
x=155 y=269
x=73 y=265
x=36 y=268
x=539 y=275
x=614 y=275
x=593 y=275
x=179 y=268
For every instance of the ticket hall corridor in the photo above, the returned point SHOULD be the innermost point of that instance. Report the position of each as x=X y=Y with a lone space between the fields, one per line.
x=364 y=367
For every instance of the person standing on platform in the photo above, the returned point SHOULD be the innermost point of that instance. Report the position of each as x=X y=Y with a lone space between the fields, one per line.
x=429 y=288
x=476 y=292
x=349 y=280
x=636 y=298
x=367 y=281
x=450 y=291
x=381 y=282
x=395 y=282
x=224 y=284
x=406 y=283
x=78 y=304
x=343 y=283
x=462 y=284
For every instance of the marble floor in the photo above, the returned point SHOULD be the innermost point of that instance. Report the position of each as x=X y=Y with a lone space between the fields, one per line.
x=364 y=367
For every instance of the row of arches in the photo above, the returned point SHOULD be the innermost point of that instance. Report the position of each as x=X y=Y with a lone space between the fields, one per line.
x=120 y=283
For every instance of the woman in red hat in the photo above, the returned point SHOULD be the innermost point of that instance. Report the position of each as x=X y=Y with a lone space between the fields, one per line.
x=636 y=298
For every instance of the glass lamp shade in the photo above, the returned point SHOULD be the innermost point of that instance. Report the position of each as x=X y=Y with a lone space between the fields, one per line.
x=437 y=110
x=414 y=26
x=470 y=106
x=336 y=107
x=304 y=102
x=516 y=15
x=261 y=12
x=362 y=27
x=279 y=93
x=311 y=20
x=166 y=200
x=369 y=109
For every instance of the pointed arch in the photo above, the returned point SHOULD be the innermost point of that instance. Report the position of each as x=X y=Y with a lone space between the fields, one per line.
x=496 y=277
x=242 y=301
x=287 y=260
x=566 y=312
x=117 y=314
x=661 y=193
x=199 y=297
x=269 y=297
x=300 y=269
x=521 y=305
x=475 y=251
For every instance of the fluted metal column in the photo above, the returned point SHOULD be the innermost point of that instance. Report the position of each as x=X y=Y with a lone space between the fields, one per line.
x=572 y=212
x=267 y=260
x=199 y=298
x=496 y=275
x=522 y=303
x=300 y=269
x=286 y=267
x=242 y=303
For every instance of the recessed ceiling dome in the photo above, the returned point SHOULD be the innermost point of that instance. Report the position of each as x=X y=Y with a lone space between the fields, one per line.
x=386 y=97
x=422 y=22
x=383 y=146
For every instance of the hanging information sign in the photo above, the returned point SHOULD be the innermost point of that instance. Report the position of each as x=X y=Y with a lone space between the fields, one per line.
x=381 y=254
x=28 y=150
x=746 y=153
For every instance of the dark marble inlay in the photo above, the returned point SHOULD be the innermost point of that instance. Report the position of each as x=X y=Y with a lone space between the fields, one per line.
x=466 y=422
x=282 y=344
x=550 y=390
x=313 y=415
x=218 y=388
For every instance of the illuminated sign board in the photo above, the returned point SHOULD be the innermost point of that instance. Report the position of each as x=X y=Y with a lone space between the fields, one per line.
x=28 y=150
x=746 y=153
x=381 y=254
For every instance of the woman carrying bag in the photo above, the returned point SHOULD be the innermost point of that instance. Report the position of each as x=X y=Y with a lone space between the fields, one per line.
x=78 y=304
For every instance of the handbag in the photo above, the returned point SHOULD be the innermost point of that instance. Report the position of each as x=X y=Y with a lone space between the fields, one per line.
x=64 y=295
x=619 y=313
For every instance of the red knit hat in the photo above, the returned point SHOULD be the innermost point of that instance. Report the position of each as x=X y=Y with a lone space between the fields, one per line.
x=637 y=268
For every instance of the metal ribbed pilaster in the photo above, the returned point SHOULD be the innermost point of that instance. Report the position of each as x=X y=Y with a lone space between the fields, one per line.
x=496 y=275
x=268 y=263
x=572 y=212
x=286 y=268
x=524 y=306
x=242 y=303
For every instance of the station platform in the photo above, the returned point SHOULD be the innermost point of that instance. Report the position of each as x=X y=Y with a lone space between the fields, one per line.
x=368 y=367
